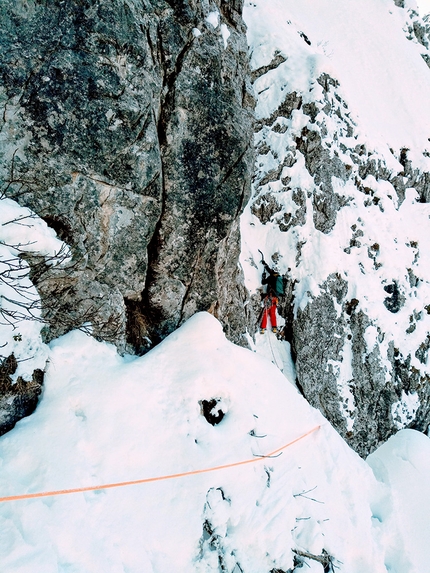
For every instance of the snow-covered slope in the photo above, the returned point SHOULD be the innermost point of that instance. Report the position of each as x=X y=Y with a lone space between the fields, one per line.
x=340 y=201
x=383 y=78
x=107 y=419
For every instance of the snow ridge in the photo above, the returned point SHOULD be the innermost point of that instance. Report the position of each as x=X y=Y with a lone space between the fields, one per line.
x=106 y=420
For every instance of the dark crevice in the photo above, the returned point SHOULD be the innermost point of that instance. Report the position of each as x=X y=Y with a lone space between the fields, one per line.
x=232 y=167
x=242 y=201
x=61 y=227
x=147 y=314
x=152 y=48
x=141 y=314
x=210 y=411
x=169 y=90
x=186 y=295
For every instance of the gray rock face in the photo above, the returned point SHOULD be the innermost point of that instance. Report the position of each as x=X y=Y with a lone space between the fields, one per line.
x=320 y=335
x=205 y=162
x=127 y=127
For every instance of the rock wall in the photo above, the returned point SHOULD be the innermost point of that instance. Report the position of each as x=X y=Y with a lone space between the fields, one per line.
x=17 y=398
x=126 y=126
x=359 y=386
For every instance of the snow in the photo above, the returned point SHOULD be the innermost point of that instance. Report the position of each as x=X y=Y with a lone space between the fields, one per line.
x=278 y=352
x=225 y=33
x=403 y=465
x=105 y=418
x=382 y=75
x=213 y=19
x=21 y=231
x=423 y=7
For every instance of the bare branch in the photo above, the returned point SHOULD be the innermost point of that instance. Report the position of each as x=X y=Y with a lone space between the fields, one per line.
x=18 y=220
x=304 y=492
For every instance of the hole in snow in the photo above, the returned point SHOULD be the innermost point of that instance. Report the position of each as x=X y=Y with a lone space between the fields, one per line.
x=211 y=410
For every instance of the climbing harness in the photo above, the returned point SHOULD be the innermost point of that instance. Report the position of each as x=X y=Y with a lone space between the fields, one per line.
x=255 y=459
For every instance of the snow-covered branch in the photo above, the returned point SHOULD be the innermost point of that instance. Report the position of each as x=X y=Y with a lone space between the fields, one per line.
x=23 y=234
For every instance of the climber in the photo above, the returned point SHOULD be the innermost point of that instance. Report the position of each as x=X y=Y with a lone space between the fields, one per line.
x=279 y=287
x=270 y=303
x=274 y=282
x=276 y=288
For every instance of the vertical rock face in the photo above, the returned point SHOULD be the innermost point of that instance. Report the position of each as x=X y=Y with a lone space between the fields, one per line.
x=367 y=380
x=204 y=133
x=126 y=126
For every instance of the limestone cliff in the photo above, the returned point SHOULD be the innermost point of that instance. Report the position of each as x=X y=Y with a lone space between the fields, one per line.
x=126 y=126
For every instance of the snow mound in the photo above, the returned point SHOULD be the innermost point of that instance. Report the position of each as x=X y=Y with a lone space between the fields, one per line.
x=106 y=418
x=403 y=464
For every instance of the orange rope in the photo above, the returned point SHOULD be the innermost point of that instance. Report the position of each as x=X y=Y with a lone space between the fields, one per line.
x=148 y=480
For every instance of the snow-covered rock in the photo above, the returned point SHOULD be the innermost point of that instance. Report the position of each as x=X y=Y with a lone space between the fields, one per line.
x=340 y=201
x=106 y=419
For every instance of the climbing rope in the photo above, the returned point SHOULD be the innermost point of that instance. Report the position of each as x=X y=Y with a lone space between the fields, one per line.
x=273 y=354
x=153 y=479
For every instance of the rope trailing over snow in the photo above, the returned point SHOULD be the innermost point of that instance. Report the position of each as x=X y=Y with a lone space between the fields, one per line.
x=153 y=479
x=271 y=348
